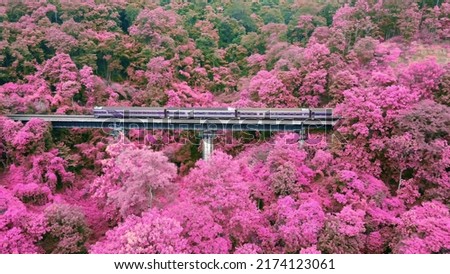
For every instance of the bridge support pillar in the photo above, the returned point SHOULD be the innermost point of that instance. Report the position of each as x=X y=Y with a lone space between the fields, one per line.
x=302 y=137
x=117 y=130
x=208 y=144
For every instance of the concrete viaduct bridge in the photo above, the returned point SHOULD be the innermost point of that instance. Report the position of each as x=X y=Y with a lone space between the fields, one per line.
x=208 y=126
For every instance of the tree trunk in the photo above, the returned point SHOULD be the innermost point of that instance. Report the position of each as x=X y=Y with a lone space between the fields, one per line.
x=400 y=179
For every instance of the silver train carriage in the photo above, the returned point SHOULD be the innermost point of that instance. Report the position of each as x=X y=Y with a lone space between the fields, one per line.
x=199 y=113
x=219 y=113
x=158 y=112
x=273 y=113
x=129 y=112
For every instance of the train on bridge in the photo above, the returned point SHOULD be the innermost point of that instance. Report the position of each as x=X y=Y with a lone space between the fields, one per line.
x=219 y=113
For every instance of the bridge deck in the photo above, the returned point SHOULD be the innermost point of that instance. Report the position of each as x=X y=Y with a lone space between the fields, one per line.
x=89 y=121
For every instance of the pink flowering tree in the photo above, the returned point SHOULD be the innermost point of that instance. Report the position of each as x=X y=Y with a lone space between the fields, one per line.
x=443 y=94
x=332 y=37
x=32 y=96
x=420 y=149
x=182 y=95
x=343 y=232
x=132 y=178
x=422 y=77
x=297 y=224
x=424 y=229
x=219 y=184
x=33 y=138
x=8 y=130
x=59 y=40
x=305 y=27
x=313 y=74
x=152 y=233
x=46 y=168
x=95 y=91
x=248 y=249
x=62 y=76
x=202 y=233
x=368 y=116
x=20 y=229
x=66 y=230
x=266 y=88
x=409 y=21
x=354 y=22
x=278 y=169
x=436 y=21
x=37 y=171
x=157 y=27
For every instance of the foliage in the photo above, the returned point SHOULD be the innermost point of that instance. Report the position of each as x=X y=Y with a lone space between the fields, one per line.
x=150 y=234
x=67 y=231
x=132 y=177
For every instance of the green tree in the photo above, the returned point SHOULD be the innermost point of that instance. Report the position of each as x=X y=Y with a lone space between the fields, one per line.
x=241 y=12
x=230 y=31
x=272 y=15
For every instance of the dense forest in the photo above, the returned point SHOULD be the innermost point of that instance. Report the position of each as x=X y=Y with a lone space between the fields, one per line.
x=378 y=183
